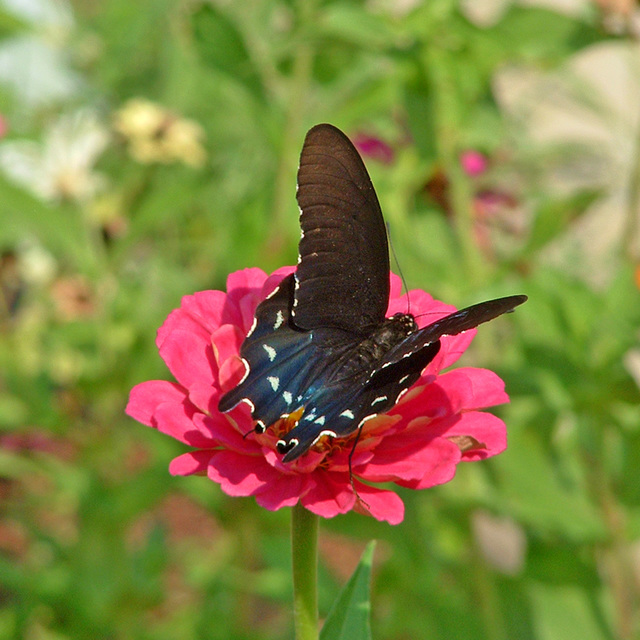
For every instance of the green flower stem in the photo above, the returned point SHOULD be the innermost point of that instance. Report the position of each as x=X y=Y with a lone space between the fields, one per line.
x=304 y=551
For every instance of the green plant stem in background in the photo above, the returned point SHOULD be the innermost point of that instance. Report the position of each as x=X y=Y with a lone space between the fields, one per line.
x=440 y=70
x=487 y=597
x=616 y=555
x=304 y=552
x=294 y=115
x=630 y=238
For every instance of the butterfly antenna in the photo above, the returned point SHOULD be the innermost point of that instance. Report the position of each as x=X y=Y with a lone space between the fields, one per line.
x=397 y=263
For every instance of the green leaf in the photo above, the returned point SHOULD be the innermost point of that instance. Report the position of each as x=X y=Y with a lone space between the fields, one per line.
x=419 y=106
x=349 y=617
x=543 y=492
x=532 y=33
x=553 y=217
x=11 y=24
x=355 y=26
x=566 y=612
x=58 y=227
x=222 y=47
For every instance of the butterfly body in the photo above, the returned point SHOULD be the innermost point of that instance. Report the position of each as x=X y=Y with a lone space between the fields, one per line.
x=321 y=353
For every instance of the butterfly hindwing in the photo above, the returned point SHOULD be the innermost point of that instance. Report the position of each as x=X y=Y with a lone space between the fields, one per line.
x=339 y=410
x=274 y=355
x=281 y=361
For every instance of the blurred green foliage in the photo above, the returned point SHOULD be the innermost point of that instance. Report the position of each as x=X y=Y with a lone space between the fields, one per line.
x=99 y=241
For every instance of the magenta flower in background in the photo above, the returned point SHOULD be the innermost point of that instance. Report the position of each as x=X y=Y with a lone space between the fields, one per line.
x=473 y=163
x=417 y=444
x=373 y=147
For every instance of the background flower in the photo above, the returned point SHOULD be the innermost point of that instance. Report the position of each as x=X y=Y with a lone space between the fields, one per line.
x=62 y=166
x=154 y=134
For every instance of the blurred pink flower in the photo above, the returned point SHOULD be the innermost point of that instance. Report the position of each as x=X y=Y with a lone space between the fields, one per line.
x=473 y=163
x=417 y=444
x=373 y=147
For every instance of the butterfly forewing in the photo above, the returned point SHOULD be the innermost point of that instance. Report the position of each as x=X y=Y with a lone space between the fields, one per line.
x=343 y=274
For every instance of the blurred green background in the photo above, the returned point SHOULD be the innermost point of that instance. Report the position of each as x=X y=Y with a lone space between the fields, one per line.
x=149 y=148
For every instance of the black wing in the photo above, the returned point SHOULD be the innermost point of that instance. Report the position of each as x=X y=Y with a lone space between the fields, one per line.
x=342 y=278
x=451 y=325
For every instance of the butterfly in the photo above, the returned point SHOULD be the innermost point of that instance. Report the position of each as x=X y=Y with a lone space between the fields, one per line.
x=321 y=353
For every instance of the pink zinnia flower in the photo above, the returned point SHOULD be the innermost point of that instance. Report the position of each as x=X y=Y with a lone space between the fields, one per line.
x=417 y=444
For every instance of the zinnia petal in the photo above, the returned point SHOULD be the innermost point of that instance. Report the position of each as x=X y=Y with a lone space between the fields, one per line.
x=385 y=506
x=486 y=429
x=189 y=357
x=192 y=463
x=146 y=396
x=329 y=495
x=240 y=475
x=408 y=460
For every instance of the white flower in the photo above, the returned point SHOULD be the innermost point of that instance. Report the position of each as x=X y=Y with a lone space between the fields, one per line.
x=34 y=63
x=61 y=168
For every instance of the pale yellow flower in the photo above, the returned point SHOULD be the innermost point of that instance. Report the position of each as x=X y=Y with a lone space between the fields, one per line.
x=155 y=134
x=139 y=118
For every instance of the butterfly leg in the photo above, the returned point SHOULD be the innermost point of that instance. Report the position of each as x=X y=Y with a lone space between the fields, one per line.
x=359 y=499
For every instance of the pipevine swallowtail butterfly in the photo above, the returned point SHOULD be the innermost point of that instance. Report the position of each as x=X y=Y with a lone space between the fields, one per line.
x=321 y=351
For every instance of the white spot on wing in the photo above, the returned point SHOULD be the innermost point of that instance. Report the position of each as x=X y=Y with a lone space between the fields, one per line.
x=319 y=421
x=379 y=399
x=273 y=293
x=295 y=288
x=279 y=320
x=367 y=418
x=253 y=327
x=403 y=379
x=271 y=352
x=326 y=432
x=347 y=414
x=288 y=398
x=247 y=368
x=284 y=443
x=274 y=381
